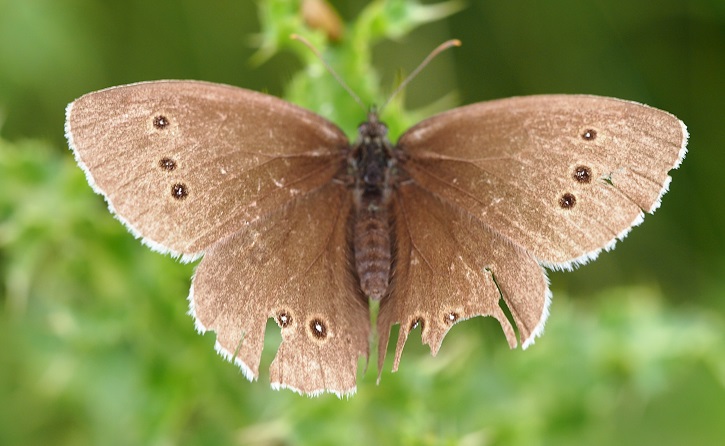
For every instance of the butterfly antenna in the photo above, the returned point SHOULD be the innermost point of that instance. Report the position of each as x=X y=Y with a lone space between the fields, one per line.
x=442 y=47
x=329 y=69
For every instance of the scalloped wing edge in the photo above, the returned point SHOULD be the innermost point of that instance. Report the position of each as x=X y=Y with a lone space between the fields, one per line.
x=153 y=245
x=223 y=352
x=539 y=327
x=525 y=343
x=592 y=255
x=246 y=370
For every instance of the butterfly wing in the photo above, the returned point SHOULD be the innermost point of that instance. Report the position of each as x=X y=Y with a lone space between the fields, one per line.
x=450 y=267
x=295 y=267
x=185 y=163
x=548 y=179
x=562 y=176
x=194 y=167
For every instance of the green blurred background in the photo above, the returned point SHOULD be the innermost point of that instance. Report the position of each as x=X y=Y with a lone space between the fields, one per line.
x=96 y=346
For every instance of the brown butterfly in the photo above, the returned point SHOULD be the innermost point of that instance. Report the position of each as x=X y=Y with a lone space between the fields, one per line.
x=296 y=223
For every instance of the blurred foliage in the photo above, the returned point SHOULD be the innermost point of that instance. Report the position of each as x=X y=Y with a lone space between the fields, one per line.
x=97 y=347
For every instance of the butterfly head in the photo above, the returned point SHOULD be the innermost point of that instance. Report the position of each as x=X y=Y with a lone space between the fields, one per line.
x=373 y=129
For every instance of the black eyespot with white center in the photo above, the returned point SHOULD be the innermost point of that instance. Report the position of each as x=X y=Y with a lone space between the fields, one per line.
x=589 y=134
x=179 y=191
x=567 y=201
x=318 y=329
x=583 y=174
x=451 y=318
x=417 y=322
x=284 y=319
x=167 y=164
x=161 y=122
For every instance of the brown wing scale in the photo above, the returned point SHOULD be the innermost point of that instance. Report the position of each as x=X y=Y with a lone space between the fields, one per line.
x=498 y=186
x=450 y=267
x=294 y=267
x=515 y=163
x=186 y=163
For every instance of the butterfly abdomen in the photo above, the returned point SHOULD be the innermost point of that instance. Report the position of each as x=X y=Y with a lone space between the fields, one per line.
x=371 y=166
x=372 y=245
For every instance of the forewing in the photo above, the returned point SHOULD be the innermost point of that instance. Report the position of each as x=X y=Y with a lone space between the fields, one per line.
x=184 y=163
x=561 y=176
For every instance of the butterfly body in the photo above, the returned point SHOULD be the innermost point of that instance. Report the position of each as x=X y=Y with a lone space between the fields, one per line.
x=372 y=167
x=295 y=223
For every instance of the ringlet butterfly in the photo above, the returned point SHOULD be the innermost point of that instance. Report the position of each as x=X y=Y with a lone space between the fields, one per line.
x=295 y=223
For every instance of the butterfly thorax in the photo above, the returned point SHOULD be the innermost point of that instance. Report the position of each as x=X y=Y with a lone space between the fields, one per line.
x=371 y=174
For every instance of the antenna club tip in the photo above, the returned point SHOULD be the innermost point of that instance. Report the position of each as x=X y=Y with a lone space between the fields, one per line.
x=456 y=42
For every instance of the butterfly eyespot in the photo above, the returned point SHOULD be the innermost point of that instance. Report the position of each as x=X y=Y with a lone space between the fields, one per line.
x=451 y=317
x=167 y=164
x=589 y=134
x=161 y=121
x=567 y=201
x=284 y=319
x=179 y=191
x=416 y=323
x=583 y=174
x=318 y=328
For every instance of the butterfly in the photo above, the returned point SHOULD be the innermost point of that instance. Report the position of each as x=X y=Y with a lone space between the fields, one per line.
x=294 y=222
